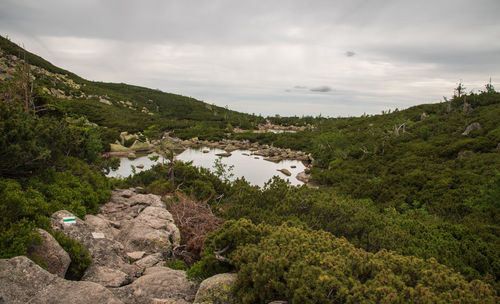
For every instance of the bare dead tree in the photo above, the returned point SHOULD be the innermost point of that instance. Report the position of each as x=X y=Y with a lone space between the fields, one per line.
x=403 y=130
x=460 y=89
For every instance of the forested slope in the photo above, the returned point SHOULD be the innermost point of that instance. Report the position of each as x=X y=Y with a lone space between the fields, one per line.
x=118 y=106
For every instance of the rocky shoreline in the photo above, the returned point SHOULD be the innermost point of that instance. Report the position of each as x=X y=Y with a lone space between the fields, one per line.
x=178 y=145
x=269 y=153
x=129 y=241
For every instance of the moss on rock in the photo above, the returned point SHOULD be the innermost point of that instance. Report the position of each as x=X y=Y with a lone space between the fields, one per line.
x=216 y=290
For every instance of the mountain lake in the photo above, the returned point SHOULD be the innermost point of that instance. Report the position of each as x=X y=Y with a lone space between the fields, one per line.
x=254 y=168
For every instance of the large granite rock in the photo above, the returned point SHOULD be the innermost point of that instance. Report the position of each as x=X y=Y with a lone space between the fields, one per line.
x=106 y=276
x=158 y=285
x=152 y=231
x=150 y=260
x=99 y=224
x=216 y=290
x=118 y=148
x=51 y=253
x=126 y=204
x=141 y=146
x=22 y=281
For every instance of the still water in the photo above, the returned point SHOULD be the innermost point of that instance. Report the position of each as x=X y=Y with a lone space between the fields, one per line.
x=254 y=168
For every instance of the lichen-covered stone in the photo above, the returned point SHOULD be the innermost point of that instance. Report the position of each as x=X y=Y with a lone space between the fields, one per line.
x=216 y=290
x=119 y=148
x=141 y=146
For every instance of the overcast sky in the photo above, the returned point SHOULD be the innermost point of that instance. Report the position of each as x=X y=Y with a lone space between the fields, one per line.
x=335 y=58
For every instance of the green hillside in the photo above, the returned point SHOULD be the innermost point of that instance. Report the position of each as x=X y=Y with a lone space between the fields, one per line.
x=121 y=106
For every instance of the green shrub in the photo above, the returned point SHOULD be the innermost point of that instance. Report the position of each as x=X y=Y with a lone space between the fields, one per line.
x=17 y=237
x=310 y=266
x=208 y=266
x=176 y=264
x=80 y=258
x=160 y=187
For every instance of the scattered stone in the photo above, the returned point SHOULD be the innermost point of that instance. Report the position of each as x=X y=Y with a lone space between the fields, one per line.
x=216 y=289
x=205 y=151
x=274 y=159
x=293 y=166
x=150 y=260
x=140 y=166
x=256 y=157
x=303 y=177
x=230 y=148
x=50 y=253
x=131 y=155
x=223 y=154
x=22 y=281
x=245 y=154
x=473 y=126
x=105 y=101
x=136 y=255
x=285 y=171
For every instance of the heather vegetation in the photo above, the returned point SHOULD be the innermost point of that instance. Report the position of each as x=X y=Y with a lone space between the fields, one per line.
x=407 y=211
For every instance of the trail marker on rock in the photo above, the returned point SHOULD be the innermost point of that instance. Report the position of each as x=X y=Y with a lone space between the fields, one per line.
x=68 y=220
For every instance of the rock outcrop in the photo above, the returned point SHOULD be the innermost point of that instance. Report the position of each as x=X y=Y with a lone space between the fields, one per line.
x=51 y=254
x=128 y=242
x=160 y=285
x=153 y=230
x=473 y=126
x=216 y=289
x=22 y=281
x=102 y=247
x=106 y=276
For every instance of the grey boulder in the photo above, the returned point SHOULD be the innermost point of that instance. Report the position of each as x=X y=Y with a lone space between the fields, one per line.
x=51 y=254
x=217 y=289
x=22 y=281
x=160 y=285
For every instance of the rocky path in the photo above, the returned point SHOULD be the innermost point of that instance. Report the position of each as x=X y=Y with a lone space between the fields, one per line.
x=129 y=241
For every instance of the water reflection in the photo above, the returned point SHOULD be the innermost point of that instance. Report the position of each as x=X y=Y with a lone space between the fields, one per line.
x=254 y=168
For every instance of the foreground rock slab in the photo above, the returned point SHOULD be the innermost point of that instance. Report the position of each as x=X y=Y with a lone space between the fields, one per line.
x=51 y=253
x=22 y=281
x=160 y=285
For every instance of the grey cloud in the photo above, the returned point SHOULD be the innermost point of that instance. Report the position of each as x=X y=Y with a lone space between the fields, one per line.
x=321 y=89
x=185 y=46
